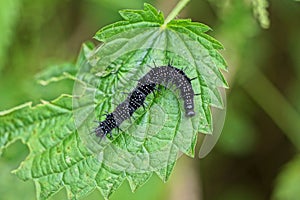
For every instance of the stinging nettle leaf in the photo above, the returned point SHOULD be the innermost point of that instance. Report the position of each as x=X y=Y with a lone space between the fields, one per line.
x=129 y=47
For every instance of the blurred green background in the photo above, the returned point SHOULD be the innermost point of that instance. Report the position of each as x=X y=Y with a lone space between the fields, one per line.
x=257 y=156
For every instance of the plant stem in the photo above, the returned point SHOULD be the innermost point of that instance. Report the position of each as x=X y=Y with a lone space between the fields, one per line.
x=275 y=105
x=180 y=5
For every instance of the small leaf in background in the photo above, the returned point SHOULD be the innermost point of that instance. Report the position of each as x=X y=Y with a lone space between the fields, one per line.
x=64 y=71
x=261 y=13
x=56 y=73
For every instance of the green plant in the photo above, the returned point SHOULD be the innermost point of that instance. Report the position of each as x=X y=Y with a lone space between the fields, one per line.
x=60 y=158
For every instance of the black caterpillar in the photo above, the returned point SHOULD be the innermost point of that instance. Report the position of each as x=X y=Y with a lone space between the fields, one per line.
x=147 y=85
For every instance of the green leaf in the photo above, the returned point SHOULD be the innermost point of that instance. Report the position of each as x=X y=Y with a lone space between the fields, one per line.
x=22 y=121
x=153 y=138
x=63 y=153
x=64 y=71
x=287 y=186
x=137 y=180
x=56 y=73
x=149 y=17
x=57 y=157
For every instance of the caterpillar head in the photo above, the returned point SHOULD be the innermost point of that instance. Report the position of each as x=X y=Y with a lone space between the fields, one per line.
x=105 y=127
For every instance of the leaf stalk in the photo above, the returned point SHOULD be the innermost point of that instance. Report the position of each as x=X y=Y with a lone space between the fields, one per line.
x=176 y=10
